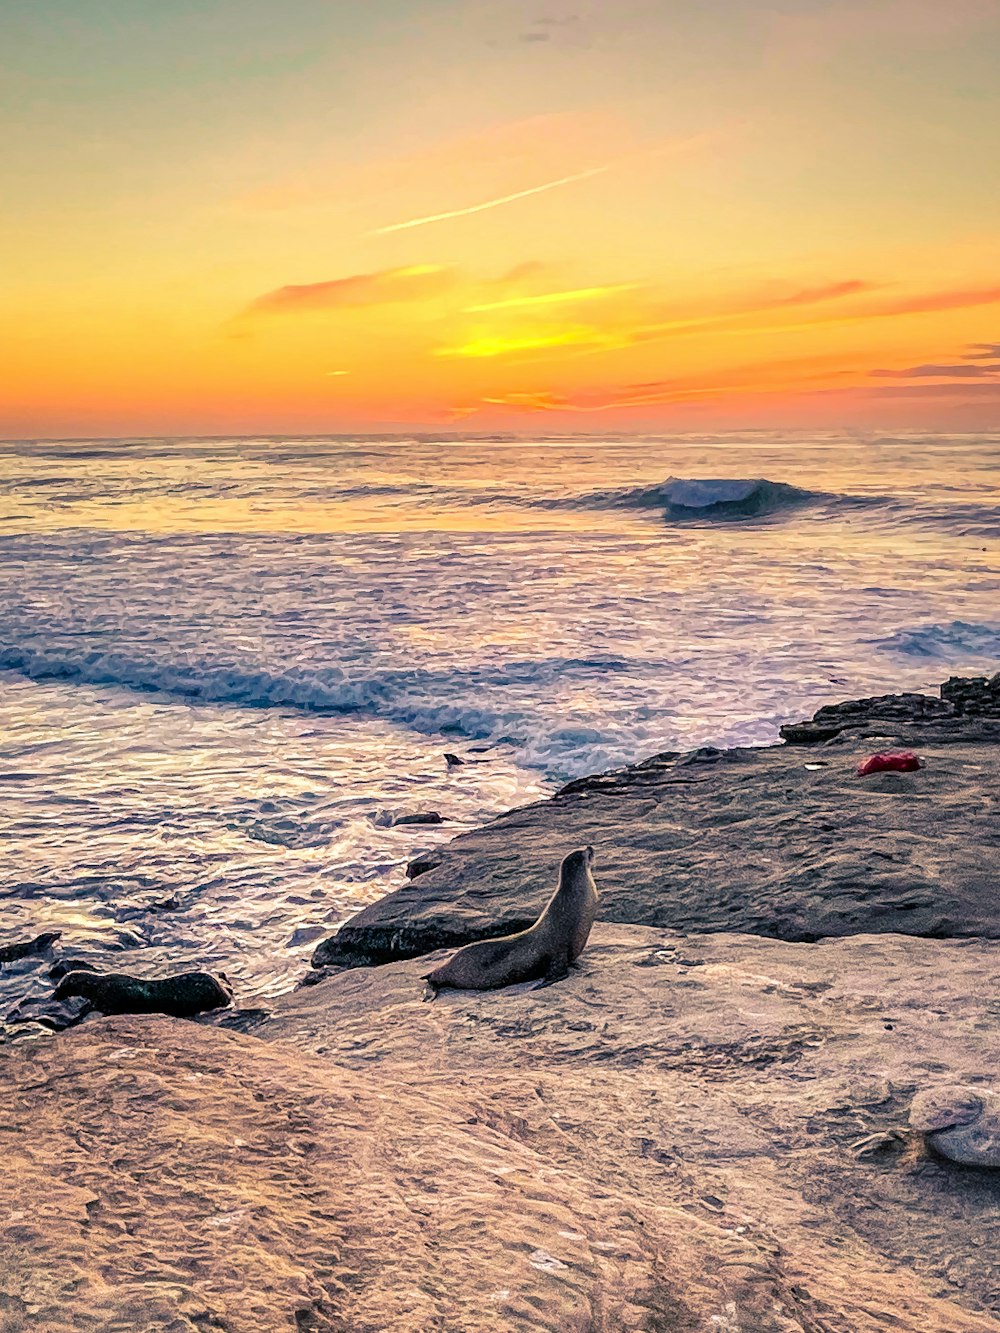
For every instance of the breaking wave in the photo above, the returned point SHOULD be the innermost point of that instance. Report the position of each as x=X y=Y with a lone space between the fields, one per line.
x=956 y=641
x=709 y=499
x=426 y=701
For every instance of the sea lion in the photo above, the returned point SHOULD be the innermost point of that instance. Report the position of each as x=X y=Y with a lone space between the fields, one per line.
x=182 y=996
x=960 y=1123
x=544 y=950
x=13 y=953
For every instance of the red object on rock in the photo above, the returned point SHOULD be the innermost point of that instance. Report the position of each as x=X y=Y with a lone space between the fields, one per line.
x=899 y=761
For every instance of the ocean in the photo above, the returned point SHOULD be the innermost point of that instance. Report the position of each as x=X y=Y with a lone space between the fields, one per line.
x=229 y=666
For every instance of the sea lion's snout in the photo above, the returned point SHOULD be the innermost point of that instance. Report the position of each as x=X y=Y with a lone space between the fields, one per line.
x=582 y=857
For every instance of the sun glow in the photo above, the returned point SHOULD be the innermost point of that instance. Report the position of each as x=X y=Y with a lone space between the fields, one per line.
x=238 y=273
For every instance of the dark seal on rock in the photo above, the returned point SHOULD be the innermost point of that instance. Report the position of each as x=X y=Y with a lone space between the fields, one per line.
x=544 y=950
x=13 y=953
x=182 y=996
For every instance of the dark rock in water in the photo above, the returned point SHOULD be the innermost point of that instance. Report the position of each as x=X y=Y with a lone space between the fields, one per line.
x=758 y=841
x=452 y=760
x=424 y=817
x=12 y=953
x=858 y=714
x=973 y=696
x=182 y=996
x=50 y=1012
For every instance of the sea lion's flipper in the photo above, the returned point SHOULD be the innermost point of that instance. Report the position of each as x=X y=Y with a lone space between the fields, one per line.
x=557 y=970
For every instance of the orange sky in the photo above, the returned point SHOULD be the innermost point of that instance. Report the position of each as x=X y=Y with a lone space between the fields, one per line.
x=465 y=216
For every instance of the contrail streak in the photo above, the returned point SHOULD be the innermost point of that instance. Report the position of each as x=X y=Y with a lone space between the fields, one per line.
x=494 y=203
x=675 y=146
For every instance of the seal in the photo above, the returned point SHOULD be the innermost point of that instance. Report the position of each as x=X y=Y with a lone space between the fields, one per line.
x=544 y=950
x=960 y=1123
x=13 y=953
x=182 y=996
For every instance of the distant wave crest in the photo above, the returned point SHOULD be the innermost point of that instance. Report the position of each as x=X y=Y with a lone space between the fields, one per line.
x=711 y=499
x=959 y=640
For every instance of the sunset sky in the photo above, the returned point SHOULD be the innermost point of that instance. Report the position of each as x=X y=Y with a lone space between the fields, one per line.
x=555 y=216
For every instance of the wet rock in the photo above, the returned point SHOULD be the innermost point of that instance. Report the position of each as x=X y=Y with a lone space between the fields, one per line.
x=809 y=733
x=421 y=817
x=757 y=840
x=973 y=696
x=12 y=953
x=880 y=711
x=180 y=996
x=243 y=1020
x=421 y=864
x=50 y=1013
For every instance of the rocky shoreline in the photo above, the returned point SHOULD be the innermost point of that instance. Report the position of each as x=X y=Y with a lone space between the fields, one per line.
x=783 y=841
x=705 y=1127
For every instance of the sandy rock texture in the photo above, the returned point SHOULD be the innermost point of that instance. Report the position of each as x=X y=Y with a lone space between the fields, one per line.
x=690 y=1133
x=785 y=841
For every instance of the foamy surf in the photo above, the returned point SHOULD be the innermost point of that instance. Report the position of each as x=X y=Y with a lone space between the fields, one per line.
x=212 y=721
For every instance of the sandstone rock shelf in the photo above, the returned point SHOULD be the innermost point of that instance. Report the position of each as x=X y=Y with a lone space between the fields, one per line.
x=693 y=1133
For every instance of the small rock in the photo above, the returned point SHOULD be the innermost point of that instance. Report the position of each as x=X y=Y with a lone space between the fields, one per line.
x=960 y=1123
x=51 y=1013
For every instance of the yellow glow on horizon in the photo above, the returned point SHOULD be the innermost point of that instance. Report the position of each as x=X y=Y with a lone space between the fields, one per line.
x=555 y=298
x=499 y=345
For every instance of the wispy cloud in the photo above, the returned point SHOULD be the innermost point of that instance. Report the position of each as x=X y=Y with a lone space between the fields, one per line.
x=792 y=375
x=978 y=388
x=385 y=287
x=633 y=316
x=980 y=361
x=555 y=298
x=928 y=302
x=960 y=371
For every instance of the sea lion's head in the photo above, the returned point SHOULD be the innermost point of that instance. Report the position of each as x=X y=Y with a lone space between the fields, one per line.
x=202 y=989
x=78 y=982
x=580 y=860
